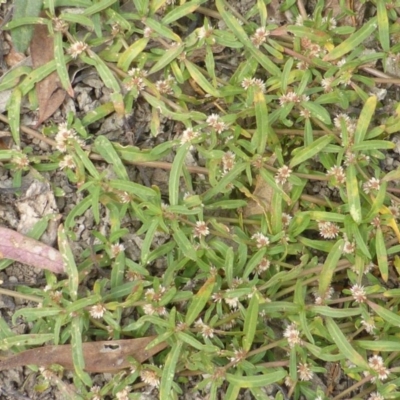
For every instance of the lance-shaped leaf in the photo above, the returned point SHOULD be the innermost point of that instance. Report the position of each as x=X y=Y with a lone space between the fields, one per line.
x=329 y=267
x=353 y=195
x=310 y=151
x=199 y=300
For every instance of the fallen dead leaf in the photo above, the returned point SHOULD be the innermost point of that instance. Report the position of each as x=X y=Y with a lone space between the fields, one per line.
x=17 y=247
x=49 y=91
x=103 y=356
x=260 y=200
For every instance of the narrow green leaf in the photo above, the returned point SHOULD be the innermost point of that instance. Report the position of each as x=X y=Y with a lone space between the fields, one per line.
x=77 y=19
x=250 y=323
x=77 y=351
x=383 y=25
x=381 y=254
x=379 y=345
x=86 y=161
x=343 y=345
x=287 y=69
x=33 y=339
x=241 y=35
x=14 y=115
x=199 y=300
x=182 y=11
x=387 y=315
x=169 y=56
x=373 y=145
x=364 y=120
x=329 y=267
x=140 y=191
x=69 y=261
x=353 y=40
x=77 y=211
x=148 y=240
x=98 y=6
x=225 y=181
x=169 y=367
x=183 y=243
x=105 y=148
x=314 y=35
x=161 y=29
x=257 y=380
x=175 y=175
x=334 y=312
x=317 y=111
x=131 y=53
x=261 y=134
x=353 y=195
x=61 y=63
x=199 y=78
x=310 y=151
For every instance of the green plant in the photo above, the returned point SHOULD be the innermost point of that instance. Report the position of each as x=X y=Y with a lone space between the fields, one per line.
x=249 y=259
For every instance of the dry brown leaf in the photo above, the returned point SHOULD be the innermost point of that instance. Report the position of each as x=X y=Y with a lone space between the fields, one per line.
x=29 y=251
x=49 y=91
x=260 y=200
x=103 y=356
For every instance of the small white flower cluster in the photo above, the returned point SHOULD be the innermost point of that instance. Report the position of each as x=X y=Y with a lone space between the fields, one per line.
x=328 y=230
x=206 y=331
x=292 y=97
x=188 y=135
x=65 y=136
x=201 y=229
x=261 y=240
x=67 y=162
x=349 y=246
x=259 y=36
x=153 y=298
x=372 y=184
x=97 y=311
x=350 y=123
x=20 y=161
x=150 y=377
x=116 y=248
x=77 y=48
x=204 y=32
x=375 y=396
x=292 y=334
x=228 y=161
x=262 y=266
x=137 y=79
x=282 y=175
x=253 y=82
x=376 y=363
x=321 y=299
x=214 y=121
x=358 y=293
x=337 y=173
x=238 y=355
x=305 y=373
x=164 y=86
x=368 y=324
x=327 y=83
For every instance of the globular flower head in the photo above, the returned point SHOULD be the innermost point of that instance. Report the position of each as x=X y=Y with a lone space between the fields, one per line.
x=165 y=86
x=150 y=377
x=214 y=121
x=188 y=135
x=261 y=240
x=371 y=185
x=328 y=230
x=201 y=229
x=97 y=311
x=305 y=373
x=358 y=293
x=116 y=248
x=292 y=334
x=259 y=36
x=282 y=174
x=337 y=173
x=77 y=48
x=376 y=363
